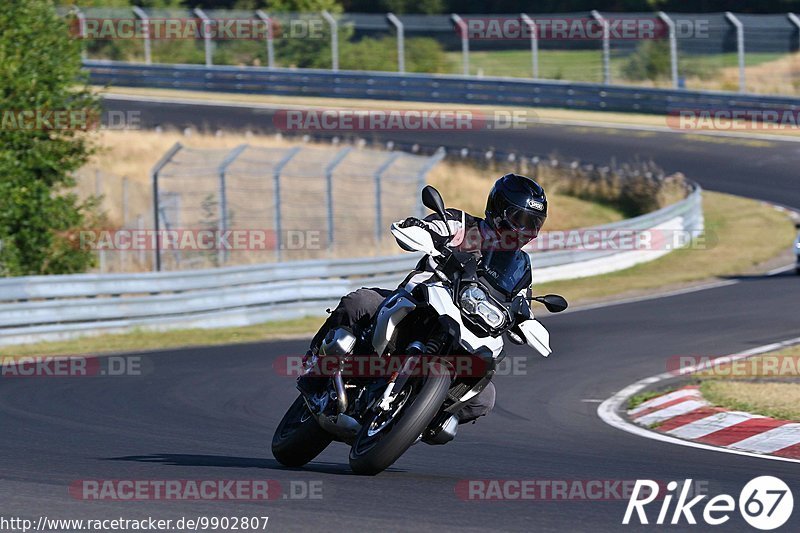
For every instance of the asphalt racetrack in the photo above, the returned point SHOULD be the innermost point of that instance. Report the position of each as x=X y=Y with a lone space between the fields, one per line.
x=209 y=413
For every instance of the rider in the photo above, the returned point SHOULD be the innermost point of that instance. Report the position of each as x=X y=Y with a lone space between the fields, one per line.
x=515 y=212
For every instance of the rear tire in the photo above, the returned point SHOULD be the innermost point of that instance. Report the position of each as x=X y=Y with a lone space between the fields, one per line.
x=298 y=438
x=371 y=455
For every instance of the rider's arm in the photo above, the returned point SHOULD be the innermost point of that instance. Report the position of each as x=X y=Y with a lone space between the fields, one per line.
x=436 y=227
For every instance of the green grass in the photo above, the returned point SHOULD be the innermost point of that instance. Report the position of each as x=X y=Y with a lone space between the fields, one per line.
x=155 y=340
x=638 y=399
x=587 y=65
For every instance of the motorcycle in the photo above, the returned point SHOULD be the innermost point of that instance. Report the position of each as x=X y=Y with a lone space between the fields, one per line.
x=428 y=328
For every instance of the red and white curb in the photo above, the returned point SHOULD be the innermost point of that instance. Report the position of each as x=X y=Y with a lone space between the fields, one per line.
x=683 y=417
x=686 y=415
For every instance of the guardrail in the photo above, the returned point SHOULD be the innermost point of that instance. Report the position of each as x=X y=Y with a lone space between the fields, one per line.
x=428 y=88
x=41 y=308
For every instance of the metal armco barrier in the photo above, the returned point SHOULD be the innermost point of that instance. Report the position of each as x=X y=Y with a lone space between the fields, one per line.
x=428 y=88
x=41 y=308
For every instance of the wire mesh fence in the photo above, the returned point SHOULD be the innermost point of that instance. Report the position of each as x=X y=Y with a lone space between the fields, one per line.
x=218 y=207
x=720 y=51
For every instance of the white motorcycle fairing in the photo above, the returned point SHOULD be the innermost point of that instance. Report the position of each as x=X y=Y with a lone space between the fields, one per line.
x=441 y=300
x=398 y=306
x=537 y=336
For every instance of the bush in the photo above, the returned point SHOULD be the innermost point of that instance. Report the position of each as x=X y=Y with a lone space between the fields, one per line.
x=650 y=61
x=39 y=69
x=422 y=55
x=633 y=189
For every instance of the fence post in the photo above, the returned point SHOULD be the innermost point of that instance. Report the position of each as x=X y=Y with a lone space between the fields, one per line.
x=206 y=34
x=606 y=46
x=140 y=228
x=276 y=177
x=464 y=30
x=125 y=185
x=81 y=29
x=423 y=172
x=534 y=43
x=222 y=254
x=337 y=159
x=334 y=39
x=673 y=47
x=401 y=51
x=270 y=45
x=378 y=192
x=796 y=21
x=139 y=12
x=166 y=158
x=737 y=24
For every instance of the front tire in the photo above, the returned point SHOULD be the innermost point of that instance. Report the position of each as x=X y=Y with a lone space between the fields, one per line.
x=298 y=438
x=374 y=453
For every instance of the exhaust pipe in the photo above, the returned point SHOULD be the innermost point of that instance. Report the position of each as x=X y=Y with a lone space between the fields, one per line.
x=341 y=394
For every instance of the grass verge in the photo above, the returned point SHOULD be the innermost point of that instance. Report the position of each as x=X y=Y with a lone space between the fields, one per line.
x=736 y=249
x=766 y=385
x=638 y=399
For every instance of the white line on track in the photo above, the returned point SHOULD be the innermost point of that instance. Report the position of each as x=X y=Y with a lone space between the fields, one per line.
x=609 y=410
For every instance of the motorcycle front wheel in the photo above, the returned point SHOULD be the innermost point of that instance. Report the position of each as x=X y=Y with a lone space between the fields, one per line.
x=386 y=435
x=298 y=438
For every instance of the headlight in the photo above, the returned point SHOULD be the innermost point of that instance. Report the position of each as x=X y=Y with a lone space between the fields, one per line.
x=474 y=301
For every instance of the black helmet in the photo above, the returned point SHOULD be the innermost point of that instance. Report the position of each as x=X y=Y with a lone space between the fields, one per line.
x=517 y=204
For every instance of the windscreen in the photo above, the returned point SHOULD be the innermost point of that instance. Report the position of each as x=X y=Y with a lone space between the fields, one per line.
x=507 y=271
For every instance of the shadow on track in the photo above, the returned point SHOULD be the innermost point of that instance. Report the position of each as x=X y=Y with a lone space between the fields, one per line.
x=224 y=461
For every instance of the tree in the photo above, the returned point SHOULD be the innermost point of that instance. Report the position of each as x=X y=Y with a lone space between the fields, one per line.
x=40 y=80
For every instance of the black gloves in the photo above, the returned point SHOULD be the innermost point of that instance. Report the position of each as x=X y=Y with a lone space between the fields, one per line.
x=412 y=221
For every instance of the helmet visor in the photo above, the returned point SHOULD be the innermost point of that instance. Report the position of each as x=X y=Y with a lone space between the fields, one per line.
x=524 y=220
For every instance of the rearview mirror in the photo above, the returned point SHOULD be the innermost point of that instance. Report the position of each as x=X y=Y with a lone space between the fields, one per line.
x=553 y=302
x=433 y=201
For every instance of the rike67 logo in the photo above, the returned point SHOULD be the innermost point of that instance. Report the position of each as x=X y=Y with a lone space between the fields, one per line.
x=765 y=503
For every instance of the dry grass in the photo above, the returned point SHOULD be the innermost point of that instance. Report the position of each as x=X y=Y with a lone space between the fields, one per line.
x=162 y=340
x=781 y=365
x=465 y=186
x=778 y=400
x=763 y=385
x=132 y=154
x=779 y=76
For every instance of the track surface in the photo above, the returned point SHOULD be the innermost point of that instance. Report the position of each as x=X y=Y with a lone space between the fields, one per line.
x=209 y=413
